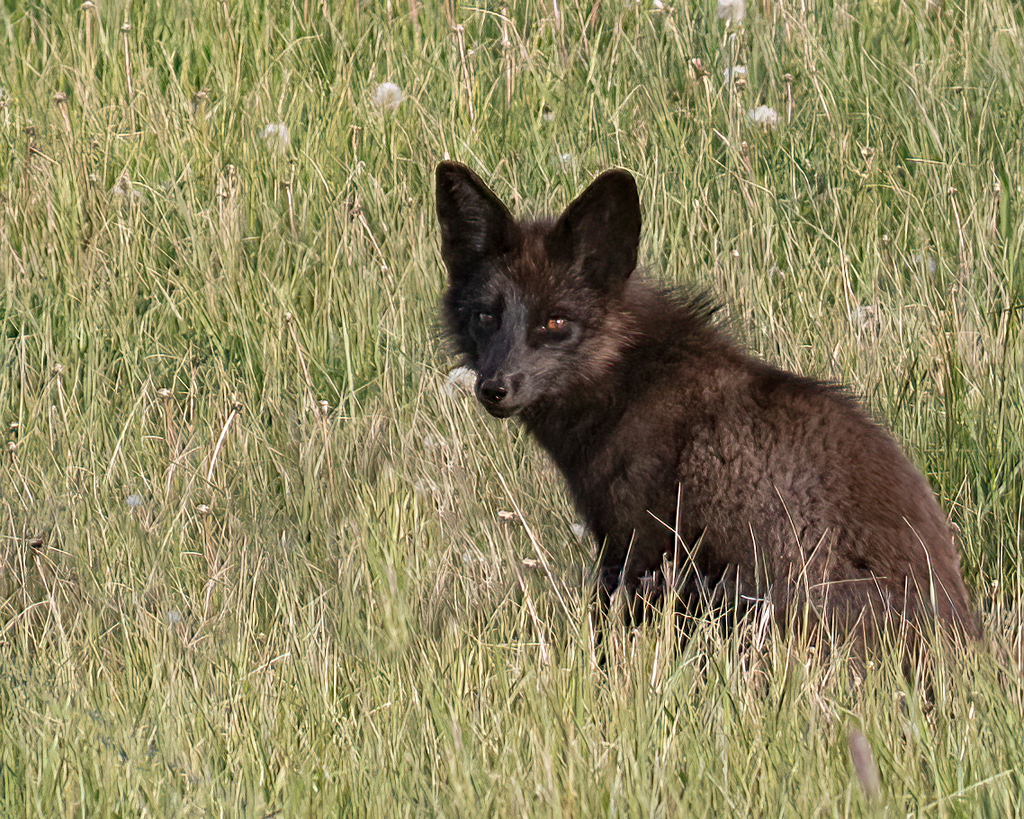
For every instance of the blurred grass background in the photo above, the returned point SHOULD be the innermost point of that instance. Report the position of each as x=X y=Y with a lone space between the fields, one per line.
x=253 y=555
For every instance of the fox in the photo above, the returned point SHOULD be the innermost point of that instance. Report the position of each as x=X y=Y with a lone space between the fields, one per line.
x=752 y=484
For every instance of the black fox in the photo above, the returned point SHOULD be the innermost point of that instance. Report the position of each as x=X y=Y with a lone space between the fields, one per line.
x=680 y=449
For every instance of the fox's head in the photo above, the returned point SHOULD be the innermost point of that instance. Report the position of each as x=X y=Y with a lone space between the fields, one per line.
x=535 y=307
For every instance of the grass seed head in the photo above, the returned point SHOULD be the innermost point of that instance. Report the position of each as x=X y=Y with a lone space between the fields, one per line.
x=864 y=765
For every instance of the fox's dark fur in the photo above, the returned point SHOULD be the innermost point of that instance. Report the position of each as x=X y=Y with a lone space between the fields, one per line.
x=779 y=487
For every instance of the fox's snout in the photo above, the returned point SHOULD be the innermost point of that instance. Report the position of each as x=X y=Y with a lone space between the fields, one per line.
x=498 y=394
x=493 y=391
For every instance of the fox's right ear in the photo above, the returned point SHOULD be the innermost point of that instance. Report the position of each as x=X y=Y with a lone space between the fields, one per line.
x=600 y=230
x=475 y=224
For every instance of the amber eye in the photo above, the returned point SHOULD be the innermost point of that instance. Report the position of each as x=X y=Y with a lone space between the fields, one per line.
x=556 y=324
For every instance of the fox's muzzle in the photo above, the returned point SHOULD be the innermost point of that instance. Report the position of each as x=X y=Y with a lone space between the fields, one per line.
x=498 y=395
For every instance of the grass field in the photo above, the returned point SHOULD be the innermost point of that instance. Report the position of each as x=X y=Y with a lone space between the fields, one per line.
x=258 y=557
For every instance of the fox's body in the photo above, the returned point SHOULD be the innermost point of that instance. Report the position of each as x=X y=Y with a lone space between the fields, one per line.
x=779 y=487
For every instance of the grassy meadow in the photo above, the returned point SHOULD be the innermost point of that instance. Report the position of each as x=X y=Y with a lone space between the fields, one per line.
x=261 y=556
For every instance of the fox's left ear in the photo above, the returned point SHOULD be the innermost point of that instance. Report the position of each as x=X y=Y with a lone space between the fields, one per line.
x=601 y=230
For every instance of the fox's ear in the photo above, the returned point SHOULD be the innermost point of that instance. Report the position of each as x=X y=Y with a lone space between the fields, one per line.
x=475 y=224
x=601 y=230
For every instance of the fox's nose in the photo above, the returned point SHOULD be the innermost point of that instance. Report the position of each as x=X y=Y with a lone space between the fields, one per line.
x=493 y=391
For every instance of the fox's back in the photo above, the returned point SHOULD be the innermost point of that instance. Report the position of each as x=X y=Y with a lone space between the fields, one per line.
x=783 y=478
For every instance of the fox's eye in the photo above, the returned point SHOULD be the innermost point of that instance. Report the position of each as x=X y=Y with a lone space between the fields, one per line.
x=484 y=319
x=556 y=324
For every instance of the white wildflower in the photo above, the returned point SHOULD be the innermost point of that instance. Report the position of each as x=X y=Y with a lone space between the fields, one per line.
x=461 y=378
x=276 y=136
x=432 y=441
x=134 y=500
x=658 y=5
x=864 y=316
x=565 y=160
x=763 y=115
x=174 y=617
x=579 y=531
x=387 y=96
x=732 y=11
x=547 y=114
x=125 y=189
x=735 y=73
x=919 y=260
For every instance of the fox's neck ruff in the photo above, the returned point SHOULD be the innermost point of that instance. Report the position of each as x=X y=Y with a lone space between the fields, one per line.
x=651 y=329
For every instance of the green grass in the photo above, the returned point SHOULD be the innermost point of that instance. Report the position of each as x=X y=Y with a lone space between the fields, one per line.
x=220 y=596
